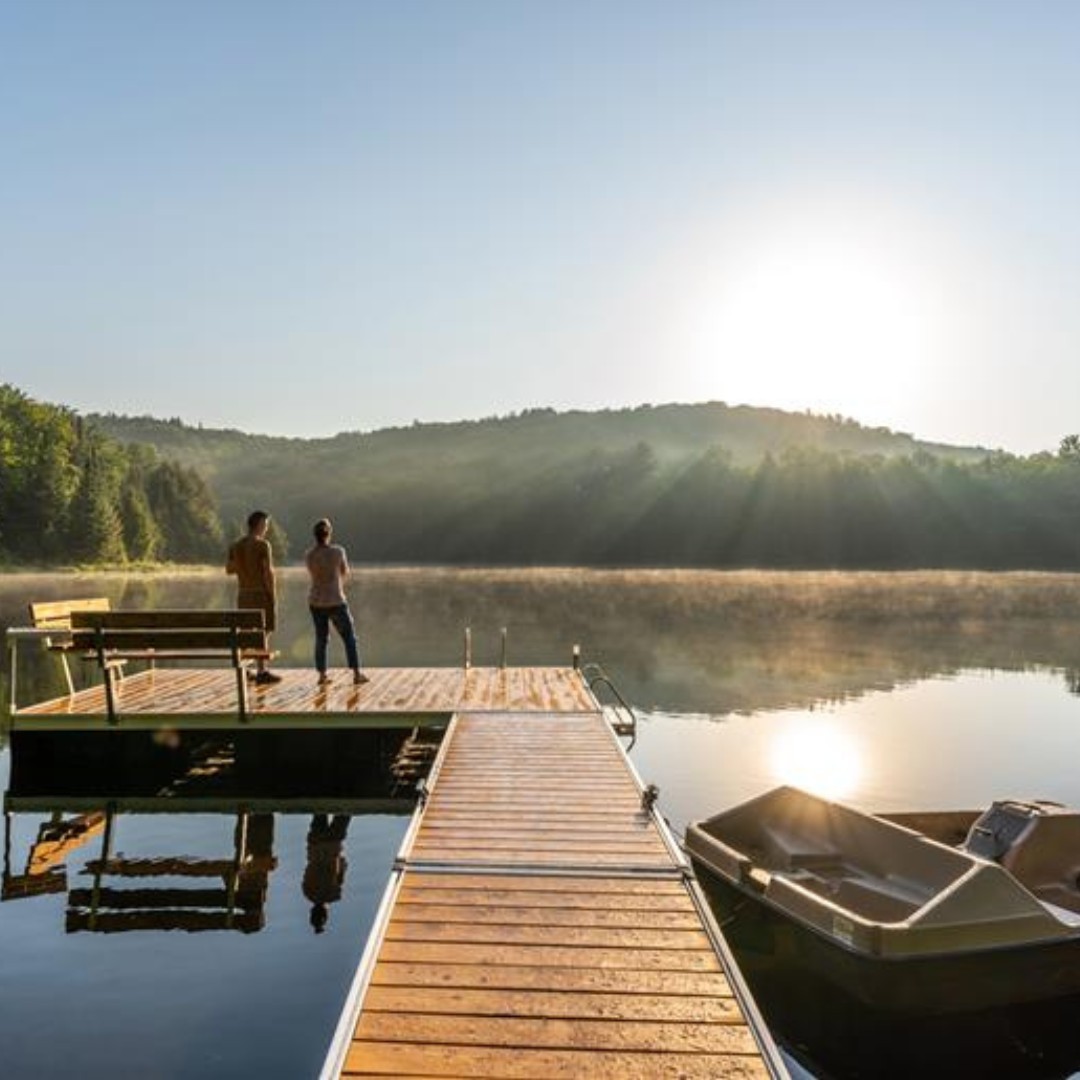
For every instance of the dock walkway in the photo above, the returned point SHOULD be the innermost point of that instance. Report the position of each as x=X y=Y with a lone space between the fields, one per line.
x=541 y=922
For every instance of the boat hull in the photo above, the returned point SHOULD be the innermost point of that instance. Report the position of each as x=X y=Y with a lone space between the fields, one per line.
x=913 y=985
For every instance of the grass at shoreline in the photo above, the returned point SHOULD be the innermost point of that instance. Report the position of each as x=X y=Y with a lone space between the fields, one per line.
x=565 y=596
x=77 y=569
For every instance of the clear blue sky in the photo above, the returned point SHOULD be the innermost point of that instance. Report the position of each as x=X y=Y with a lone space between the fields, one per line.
x=310 y=217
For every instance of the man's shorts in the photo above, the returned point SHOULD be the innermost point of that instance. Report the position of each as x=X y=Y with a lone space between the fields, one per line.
x=252 y=599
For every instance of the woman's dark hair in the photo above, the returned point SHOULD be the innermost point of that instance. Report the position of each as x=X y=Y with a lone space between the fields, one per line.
x=322 y=530
x=257 y=517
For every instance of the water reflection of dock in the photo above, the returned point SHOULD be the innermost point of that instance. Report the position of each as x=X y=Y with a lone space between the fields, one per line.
x=236 y=904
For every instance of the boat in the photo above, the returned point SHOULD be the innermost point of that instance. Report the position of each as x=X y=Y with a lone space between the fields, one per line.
x=928 y=912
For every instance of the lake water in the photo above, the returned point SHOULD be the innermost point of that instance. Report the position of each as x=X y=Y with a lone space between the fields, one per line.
x=890 y=692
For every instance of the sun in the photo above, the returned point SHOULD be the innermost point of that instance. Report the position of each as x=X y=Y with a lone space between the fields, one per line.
x=815 y=754
x=819 y=320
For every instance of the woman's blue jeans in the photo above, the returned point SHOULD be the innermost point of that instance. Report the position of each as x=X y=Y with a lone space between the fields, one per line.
x=341 y=617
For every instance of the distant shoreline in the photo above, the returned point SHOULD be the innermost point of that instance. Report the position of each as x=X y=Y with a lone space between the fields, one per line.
x=510 y=570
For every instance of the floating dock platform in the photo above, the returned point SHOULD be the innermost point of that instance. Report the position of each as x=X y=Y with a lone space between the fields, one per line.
x=188 y=699
x=540 y=919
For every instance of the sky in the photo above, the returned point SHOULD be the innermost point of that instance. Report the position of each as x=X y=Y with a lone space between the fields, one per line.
x=304 y=218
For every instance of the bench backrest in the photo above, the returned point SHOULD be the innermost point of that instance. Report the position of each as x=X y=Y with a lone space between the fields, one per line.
x=173 y=631
x=56 y=614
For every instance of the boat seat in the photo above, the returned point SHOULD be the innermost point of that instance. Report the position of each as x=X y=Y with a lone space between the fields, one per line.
x=814 y=860
x=788 y=851
x=864 y=898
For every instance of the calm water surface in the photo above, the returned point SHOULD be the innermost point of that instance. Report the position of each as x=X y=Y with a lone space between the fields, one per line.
x=902 y=692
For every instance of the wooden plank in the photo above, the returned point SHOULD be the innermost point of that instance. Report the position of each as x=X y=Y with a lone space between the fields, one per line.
x=671 y=1037
x=399 y=1060
x=583 y=803
x=578 y=861
x=594 y=883
x=493 y=775
x=514 y=915
x=579 y=980
x=567 y=818
x=554 y=1005
x=627 y=809
x=566 y=786
x=568 y=936
x=550 y=956
x=56 y=614
x=161 y=619
x=512 y=835
x=168 y=639
x=537 y=841
x=498 y=847
x=658 y=902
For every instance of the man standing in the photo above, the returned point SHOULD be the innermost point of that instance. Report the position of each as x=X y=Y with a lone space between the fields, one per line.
x=251 y=561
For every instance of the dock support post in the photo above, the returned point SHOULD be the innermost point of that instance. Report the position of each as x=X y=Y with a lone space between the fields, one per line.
x=576 y=657
x=502 y=657
x=468 y=648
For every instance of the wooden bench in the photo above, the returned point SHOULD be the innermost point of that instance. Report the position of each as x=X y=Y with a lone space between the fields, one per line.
x=114 y=637
x=52 y=619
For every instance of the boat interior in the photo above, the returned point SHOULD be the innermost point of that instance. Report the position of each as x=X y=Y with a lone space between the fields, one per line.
x=879 y=870
x=788 y=843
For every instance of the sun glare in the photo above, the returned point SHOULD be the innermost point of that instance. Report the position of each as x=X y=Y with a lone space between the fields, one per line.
x=812 y=753
x=830 y=323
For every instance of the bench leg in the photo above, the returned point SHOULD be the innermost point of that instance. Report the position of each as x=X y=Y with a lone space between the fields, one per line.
x=241 y=692
x=67 y=675
x=110 y=697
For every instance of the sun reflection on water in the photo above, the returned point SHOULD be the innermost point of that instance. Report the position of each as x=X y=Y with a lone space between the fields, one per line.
x=814 y=753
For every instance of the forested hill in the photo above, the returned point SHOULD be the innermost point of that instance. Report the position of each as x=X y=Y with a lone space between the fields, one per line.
x=70 y=494
x=703 y=485
x=413 y=492
x=539 y=436
x=671 y=485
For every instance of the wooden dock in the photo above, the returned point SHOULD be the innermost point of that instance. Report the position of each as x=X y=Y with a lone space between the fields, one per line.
x=541 y=922
x=185 y=698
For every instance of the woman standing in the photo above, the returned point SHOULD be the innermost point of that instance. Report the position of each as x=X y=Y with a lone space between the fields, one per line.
x=328 y=566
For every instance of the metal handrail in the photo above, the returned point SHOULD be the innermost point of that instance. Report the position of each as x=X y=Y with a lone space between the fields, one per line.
x=595 y=676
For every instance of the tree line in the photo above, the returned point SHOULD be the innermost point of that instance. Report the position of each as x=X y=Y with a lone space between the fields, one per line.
x=697 y=486
x=69 y=493
x=800 y=508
